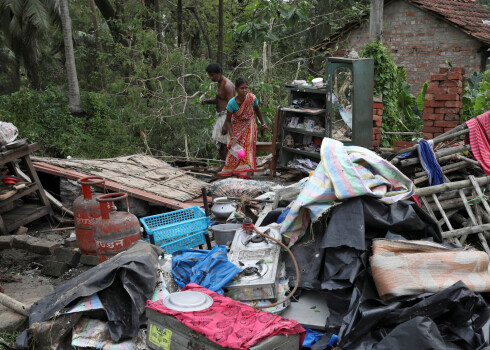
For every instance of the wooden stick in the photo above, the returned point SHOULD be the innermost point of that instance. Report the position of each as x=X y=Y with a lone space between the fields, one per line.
x=457 y=131
x=14 y=305
x=404 y=133
x=424 y=191
x=466 y=230
x=475 y=222
x=450 y=203
x=56 y=229
x=468 y=160
x=451 y=195
x=443 y=213
x=438 y=154
x=445 y=170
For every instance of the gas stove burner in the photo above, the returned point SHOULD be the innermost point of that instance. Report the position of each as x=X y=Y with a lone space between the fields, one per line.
x=252 y=271
x=257 y=239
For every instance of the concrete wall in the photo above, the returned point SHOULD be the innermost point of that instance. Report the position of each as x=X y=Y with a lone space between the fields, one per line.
x=420 y=42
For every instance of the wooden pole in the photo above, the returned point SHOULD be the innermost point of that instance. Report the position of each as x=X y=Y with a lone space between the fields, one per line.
x=438 y=154
x=14 y=305
x=424 y=191
x=457 y=131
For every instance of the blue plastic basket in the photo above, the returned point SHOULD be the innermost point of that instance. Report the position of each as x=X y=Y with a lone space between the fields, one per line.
x=177 y=224
x=189 y=241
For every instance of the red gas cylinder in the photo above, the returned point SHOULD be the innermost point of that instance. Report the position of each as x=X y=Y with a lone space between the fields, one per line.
x=86 y=209
x=114 y=231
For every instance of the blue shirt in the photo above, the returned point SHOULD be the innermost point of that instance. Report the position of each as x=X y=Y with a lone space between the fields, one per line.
x=233 y=107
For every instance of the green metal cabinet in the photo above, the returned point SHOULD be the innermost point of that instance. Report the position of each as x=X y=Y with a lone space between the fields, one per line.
x=358 y=76
x=342 y=109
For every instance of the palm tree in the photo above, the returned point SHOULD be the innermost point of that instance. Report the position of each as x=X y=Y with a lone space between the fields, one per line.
x=24 y=23
x=71 y=70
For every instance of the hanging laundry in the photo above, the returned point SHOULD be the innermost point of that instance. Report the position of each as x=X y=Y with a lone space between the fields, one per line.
x=429 y=163
x=479 y=139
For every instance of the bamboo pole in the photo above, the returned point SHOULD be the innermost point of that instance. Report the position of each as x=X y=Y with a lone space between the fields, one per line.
x=424 y=191
x=466 y=230
x=445 y=170
x=450 y=204
x=457 y=131
x=13 y=304
x=438 y=154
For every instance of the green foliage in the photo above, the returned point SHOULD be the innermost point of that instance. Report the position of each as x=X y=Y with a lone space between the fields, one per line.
x=476 y=97
x=482 y=101
x=390 y=81
x=9 y=338
x=266 y=14
x=421 y=97
x=470 y=94
x=43 y=117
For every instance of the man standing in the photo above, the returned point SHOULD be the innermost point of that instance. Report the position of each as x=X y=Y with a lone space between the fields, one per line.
x=226 y=91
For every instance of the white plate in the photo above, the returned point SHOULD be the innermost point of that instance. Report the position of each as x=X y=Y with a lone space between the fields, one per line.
x=188 y=301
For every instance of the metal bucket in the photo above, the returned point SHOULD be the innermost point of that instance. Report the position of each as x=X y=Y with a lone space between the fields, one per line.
x=224 y=233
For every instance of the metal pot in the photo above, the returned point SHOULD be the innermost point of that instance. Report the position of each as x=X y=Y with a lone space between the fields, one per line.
x=224 y=233
x=223 y=207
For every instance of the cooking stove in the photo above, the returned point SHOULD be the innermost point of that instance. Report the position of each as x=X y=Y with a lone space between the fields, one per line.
x=258 y=258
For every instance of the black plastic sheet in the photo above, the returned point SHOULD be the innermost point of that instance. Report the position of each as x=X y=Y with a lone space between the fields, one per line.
x=455 y=318
x=123 y=283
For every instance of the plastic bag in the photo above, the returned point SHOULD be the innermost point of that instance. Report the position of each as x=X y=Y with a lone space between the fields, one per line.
x=8 y=133
x=208 y=268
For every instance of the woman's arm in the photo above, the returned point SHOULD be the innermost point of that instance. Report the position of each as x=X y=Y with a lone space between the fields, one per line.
x=259 y=115
x=229 y=128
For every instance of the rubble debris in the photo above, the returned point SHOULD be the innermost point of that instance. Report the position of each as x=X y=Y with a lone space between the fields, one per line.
x=54 y=268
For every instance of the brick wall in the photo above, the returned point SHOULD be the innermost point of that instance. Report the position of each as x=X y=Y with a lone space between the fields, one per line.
x=377 y=123
x=420 y=42
x=443 y=102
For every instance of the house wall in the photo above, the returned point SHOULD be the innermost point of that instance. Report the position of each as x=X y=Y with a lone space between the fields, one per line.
x=420 y=42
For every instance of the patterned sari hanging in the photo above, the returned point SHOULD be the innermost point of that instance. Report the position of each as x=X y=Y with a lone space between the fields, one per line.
x=244 y=130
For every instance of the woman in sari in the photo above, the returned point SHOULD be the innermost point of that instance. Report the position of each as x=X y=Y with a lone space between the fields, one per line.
x=242 y=129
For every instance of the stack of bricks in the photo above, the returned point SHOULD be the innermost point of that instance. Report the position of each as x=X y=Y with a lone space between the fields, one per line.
x=443 y=102
x=377 y=122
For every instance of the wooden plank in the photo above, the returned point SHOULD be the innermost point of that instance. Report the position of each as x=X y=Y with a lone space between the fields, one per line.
x=13 y=154
x=114 y=186
x=23 y=215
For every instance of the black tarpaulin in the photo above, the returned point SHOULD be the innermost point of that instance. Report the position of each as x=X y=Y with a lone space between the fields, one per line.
x=123 y=284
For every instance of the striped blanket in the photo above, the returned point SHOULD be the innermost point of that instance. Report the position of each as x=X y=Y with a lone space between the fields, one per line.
x=479 y=139
x=344 y=172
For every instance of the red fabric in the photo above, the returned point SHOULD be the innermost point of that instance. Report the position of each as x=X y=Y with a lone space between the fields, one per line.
x=230 y=323
x=479 y=139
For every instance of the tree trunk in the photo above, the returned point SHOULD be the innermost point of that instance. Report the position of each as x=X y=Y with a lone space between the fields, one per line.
x=219 y=57
x=203 y=30
x=71 y=70
x=111 y=17
x=99 y=44
x=179 y=23
x=376 y=21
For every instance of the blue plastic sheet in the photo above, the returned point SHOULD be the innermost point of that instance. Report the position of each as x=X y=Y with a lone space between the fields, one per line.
x=208 y=268
x=311 y=338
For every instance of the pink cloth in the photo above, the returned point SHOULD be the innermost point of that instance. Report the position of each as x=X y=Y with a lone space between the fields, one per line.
x=479 y=139
x=230 y=323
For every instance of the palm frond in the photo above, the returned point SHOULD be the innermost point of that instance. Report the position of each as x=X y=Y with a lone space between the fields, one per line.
x=36 y=14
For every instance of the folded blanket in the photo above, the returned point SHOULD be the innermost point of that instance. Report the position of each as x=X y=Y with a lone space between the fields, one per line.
x=413 y=267
x=344 y=172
